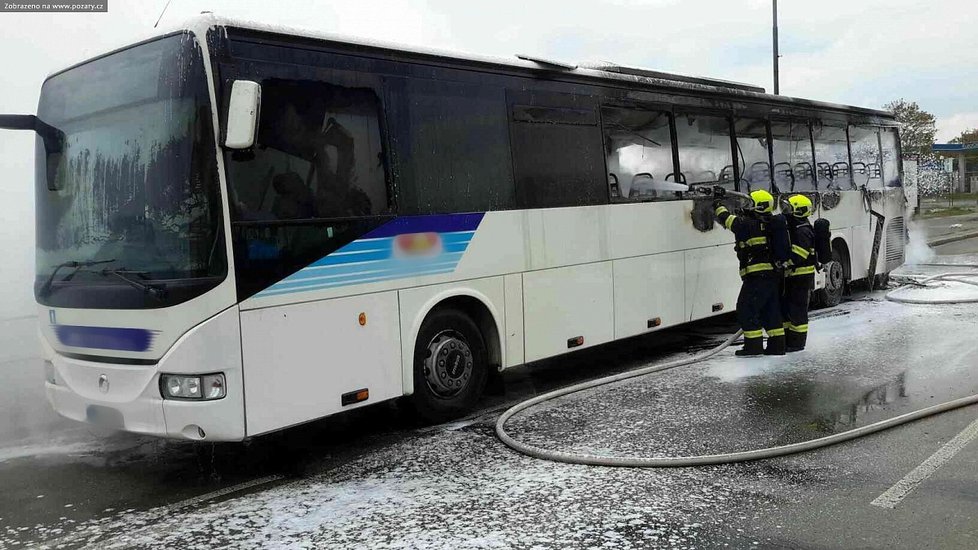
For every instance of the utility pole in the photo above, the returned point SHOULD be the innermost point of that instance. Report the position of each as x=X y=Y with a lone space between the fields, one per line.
x=777 y=88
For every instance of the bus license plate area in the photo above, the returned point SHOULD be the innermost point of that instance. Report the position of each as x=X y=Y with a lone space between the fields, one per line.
x=106 y=417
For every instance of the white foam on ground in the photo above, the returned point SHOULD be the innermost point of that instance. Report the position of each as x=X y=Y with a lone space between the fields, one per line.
x=942 y=290
x=455 y=489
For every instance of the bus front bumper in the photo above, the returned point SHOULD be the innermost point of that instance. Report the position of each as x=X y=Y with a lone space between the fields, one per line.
x=131 y=401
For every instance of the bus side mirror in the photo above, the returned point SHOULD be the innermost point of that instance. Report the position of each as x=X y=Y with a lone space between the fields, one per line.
x=244 y=108
x=54 y=141
x=53 y=138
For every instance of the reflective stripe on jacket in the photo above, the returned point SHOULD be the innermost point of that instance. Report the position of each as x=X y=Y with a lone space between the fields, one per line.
x=802 y=260
x=752 y=246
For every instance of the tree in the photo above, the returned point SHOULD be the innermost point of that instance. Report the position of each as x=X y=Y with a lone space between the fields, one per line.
x=919 y=127
x=967 y=136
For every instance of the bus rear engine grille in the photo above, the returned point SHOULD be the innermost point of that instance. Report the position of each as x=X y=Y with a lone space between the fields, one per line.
x=895 y=243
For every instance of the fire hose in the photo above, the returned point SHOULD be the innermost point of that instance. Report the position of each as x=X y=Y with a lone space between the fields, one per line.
x=723 y=458
x=893 y=294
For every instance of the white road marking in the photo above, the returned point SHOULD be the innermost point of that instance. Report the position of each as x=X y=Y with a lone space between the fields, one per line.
x=918 y=475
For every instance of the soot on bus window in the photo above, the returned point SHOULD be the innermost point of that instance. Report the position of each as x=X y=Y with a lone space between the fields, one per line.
x=794 y=165
x=318 y=155
x=704 y=150
x=891 y=157
x=752 y=154
x=134 y=183
x=867 y=165
x=639 y=153
x=831 y=156
x=315 y=181
x=452 y=146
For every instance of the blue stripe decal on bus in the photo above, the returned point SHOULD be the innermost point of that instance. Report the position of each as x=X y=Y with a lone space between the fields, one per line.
x=444 y=223
x=367 y=246
x=272 y=291
x=364 y=267
x=120 y=339
x=402 y=271
x=405 y=247
x=339 y=257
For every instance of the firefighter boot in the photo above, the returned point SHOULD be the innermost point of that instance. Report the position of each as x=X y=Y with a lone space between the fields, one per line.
x=795 y=341
x=775 y=345
x=752 y=347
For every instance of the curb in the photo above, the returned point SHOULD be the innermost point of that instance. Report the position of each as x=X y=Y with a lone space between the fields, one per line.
x=955 y=238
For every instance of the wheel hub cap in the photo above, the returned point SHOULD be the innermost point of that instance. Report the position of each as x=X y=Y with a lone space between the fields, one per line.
x=834 y=278
x=448 y=365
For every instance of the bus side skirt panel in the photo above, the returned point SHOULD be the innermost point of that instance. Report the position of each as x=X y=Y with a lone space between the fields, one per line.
x=712 y=281
x=300 y=359
x=568 y=303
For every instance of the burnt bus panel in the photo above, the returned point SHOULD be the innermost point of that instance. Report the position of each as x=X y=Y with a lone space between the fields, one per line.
x=390 y=59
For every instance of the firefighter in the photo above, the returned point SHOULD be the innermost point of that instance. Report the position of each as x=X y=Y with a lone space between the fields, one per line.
x=758 y=307
x=799 y=274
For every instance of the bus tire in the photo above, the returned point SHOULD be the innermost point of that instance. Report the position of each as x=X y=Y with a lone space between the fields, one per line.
x=450 y=366
x=835 y=284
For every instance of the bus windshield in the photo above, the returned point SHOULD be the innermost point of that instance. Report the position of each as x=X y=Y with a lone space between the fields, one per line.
x=129 y=200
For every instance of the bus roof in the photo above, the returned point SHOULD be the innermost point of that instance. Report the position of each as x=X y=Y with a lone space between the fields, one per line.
x=610 y=73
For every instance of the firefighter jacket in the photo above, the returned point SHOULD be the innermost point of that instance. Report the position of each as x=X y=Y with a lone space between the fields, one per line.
x=802 y=260
x=752 y=243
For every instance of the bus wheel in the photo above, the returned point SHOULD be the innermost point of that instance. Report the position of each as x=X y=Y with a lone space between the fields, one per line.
x=835 y=282
x=450 y=366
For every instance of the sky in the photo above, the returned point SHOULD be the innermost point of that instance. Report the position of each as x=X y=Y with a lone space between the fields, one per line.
x=857 y=52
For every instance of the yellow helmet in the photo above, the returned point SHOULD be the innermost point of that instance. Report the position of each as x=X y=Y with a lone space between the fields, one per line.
x=763 y=201
x=801 y=206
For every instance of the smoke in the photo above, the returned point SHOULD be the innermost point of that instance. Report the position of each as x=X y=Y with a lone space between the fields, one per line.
x=918 y=252
x=669 y=186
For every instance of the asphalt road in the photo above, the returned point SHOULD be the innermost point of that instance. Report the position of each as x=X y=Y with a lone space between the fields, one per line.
x=947 y=227
x=966 y=246
x=374 y=479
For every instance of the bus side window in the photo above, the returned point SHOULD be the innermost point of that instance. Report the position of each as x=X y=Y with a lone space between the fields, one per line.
x=705 y=156
x=452 y=146
x=831 y=156
x=318 y=154
x=556 y=150
x=638 y=148
x=867 y=167
x=316 y=177
x=891 y=157
x=794 y=166
x=752 y=154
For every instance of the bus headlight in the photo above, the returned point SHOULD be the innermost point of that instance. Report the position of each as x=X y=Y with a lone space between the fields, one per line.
x=196 y=387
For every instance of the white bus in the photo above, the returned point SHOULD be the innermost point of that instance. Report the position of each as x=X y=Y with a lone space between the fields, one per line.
x=241 y=229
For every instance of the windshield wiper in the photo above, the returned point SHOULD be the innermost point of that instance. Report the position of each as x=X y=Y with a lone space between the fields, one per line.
x=156 y=291
x=46 y=287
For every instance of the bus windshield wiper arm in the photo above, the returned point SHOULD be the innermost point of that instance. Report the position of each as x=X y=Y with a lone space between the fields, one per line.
x=46 y=288
x=157 y=291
